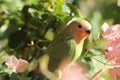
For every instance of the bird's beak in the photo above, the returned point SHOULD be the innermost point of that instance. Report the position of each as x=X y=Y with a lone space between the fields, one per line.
x=88 y=32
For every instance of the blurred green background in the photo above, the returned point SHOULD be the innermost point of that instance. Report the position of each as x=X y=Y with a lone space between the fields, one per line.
x=28 y=26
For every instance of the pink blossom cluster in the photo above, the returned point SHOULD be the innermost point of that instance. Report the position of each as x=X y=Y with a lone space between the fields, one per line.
x=17 y=65
x=112 y=48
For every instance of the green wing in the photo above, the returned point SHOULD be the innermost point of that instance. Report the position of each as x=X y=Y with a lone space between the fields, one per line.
x=75 y=49
x=72 y=43
x=60 y=48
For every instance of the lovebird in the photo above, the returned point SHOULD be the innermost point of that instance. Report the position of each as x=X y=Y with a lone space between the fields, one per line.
x=68 y=43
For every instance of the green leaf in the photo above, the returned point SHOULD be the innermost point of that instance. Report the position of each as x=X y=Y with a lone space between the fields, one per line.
x=4 y=76
x=14 y=76
x=58 y=8
x=74 y=10
x=35 y=2
x=95 y=20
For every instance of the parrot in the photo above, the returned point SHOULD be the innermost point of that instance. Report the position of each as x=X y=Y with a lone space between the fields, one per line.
x=68 y=43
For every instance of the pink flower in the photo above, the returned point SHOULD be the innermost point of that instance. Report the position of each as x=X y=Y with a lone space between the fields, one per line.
x=111 y=33
x=104 y=27
x=112 y=46
x=112 y=49
x=76 y=72
x=17 y=65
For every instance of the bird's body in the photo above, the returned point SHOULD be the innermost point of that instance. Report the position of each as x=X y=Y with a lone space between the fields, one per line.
x=59 y=51
x=68 y=43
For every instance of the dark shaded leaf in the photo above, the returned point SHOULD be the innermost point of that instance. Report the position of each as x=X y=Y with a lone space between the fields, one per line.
x=14 y=76
x=17 y=38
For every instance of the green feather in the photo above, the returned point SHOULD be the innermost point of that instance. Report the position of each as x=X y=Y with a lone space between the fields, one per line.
x=75 y=51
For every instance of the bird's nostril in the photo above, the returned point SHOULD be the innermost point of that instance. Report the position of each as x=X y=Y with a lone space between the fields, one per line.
x=88 y=31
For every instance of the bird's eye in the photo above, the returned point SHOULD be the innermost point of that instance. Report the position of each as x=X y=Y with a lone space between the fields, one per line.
x=79 y=26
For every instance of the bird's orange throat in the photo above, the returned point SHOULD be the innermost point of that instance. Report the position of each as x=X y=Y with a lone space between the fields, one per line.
x=81 y=36
x=82 y=41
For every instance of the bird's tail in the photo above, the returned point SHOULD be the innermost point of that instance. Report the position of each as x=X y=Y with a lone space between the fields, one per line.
x=43 y=66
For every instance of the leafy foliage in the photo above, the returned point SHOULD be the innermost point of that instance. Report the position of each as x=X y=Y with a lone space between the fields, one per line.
x=29 y=26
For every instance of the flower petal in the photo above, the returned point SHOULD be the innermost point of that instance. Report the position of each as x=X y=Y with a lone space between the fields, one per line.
x=105 y=27
x=21 y=65
x=76 y=71
x=11 y=62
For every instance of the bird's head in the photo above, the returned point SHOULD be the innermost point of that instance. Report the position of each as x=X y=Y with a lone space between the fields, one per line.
x=79 y=29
